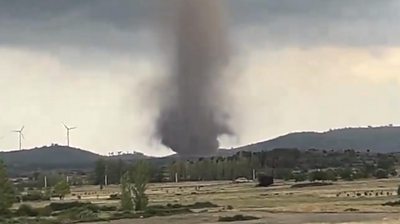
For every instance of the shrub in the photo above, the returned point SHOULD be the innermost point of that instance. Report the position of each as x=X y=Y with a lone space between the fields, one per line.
x=35 y=196
x=174 y=209
x=199 y=205
x=26 y=210
x=84 y=214
x=44 y=211
x=108 y=208
x=317 y=175
x=166 y=211
x=298 y=177
x=67 y=205
x=114 y=197
x=236 y=218
x=61 y=189
x=313 y=184
x=265 y=180
x=79 y=213
x=6 y=214
x=123 y=215
x=150 y=211
x=392 y=203
x=351 y=210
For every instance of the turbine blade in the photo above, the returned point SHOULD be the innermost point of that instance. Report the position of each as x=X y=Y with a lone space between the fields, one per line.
x=23 y=136
x=23 y=127
x=73 y=128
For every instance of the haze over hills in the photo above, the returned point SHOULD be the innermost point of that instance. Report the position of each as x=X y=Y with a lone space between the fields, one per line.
x=377 y=139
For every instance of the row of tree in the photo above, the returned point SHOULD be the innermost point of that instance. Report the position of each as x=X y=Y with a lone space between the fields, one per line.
x=280 y=163
x=287 y=164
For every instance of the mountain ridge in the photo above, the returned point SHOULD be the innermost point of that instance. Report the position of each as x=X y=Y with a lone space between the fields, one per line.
x=383 y=139
x=377 y=139
x=56 y=157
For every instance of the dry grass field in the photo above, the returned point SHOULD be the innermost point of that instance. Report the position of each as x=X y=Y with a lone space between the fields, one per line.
x=342 y=202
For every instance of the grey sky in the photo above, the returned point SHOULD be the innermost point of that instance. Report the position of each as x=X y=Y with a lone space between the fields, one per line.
x=298 y=65
x=113 y=24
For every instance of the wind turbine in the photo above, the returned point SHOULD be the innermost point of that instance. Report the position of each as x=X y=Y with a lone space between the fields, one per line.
x=20 y=136
x=68 y=130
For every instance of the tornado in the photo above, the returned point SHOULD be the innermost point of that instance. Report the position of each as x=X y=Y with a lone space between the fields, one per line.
x=193 y=116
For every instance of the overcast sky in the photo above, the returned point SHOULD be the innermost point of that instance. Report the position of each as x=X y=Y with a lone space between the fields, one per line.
x=95 y=64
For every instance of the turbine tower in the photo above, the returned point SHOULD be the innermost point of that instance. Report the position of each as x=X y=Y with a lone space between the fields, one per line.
x=20 y=136
x=68 y=130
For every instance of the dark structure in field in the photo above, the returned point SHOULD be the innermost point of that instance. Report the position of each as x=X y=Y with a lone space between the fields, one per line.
x=265 y=180
x=192 y=118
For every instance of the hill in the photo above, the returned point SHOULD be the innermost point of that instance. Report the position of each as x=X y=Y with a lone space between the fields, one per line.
x=378 y=139
x=49 y=157
x=57 y=157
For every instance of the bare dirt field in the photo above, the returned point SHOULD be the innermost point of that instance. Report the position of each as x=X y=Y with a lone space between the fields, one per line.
x=342 y=202
x=273 y=218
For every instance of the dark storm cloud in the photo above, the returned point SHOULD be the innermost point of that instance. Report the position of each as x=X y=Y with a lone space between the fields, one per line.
x=99 y=24
x=126 y=25
x=308 y=23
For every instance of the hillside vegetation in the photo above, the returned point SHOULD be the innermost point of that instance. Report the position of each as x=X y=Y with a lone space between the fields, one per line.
x=57 y=157
x=377 y=139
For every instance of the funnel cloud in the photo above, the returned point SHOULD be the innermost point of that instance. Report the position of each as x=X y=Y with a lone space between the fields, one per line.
x=192 y=117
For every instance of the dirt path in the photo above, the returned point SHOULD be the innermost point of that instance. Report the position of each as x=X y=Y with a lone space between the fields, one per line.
x=275 y=218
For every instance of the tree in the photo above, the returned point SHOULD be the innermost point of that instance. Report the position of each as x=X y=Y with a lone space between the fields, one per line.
x=51 y=178
x=283 y=173
x=140 y=179
x=99 y=172
x=346 y=174
x=61 y=189
x=361 y=173
x=393 y=172
x=385 y=162
x=298 y=177
x=381 y=174
x=7 y=193
x=114 y=169
x=126 y=195
x=133 y=187
x=398 y=191
x=318 y=175
x=369 y=169
x=331 y=175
